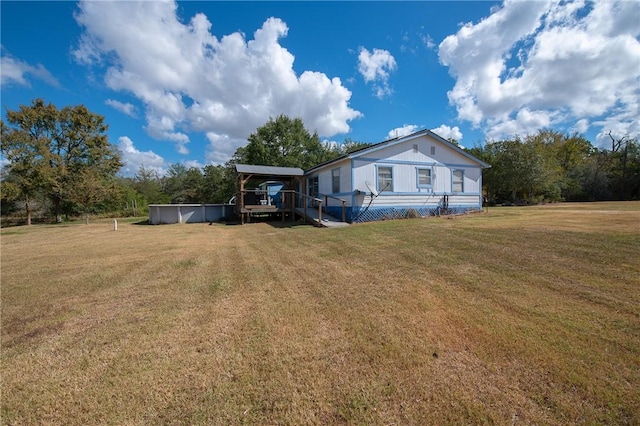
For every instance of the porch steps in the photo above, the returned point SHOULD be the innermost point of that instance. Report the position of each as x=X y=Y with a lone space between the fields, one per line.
x=327 y=221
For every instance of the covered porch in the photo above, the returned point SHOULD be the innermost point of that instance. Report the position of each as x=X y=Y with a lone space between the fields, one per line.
x=279 y=191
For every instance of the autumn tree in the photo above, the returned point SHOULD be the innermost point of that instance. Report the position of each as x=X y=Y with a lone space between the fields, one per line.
x=48 y=148
x=24 y=177
x=89 y=187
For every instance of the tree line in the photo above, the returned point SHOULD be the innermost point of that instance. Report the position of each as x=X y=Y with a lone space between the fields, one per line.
x=550 y=166
x=59 y=163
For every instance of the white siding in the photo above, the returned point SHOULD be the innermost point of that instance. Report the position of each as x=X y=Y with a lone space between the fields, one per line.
x=405 y=160
x=325 y=178
x=419 y=200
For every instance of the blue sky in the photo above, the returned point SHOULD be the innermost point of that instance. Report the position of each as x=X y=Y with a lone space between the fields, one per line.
x=187 y=82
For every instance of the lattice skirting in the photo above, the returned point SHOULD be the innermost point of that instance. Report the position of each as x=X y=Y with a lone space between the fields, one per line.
x=388 y=213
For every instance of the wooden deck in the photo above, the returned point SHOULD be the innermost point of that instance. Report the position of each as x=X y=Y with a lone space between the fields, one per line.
x=247 y=212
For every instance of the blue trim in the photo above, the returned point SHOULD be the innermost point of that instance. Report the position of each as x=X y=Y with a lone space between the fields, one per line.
x=417 y=163
x=388 y=161
x=462 y=166
x=341 y=194
x=399 y=212
x=462 y=194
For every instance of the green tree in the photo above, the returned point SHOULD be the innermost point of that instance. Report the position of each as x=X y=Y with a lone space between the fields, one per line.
x=517 y=172
x=349 y=146
x=218 y=184
x=148 y=184
x=58 y=144
x=561 y=154
x=89 y=187
x=283 y=142
x=182 y=184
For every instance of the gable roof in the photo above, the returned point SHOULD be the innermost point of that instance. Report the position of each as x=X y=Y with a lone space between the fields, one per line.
x=391 y=142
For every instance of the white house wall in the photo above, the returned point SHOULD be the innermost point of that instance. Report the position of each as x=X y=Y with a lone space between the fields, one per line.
x=405 y=157
x=405 y=161
x=325 y=180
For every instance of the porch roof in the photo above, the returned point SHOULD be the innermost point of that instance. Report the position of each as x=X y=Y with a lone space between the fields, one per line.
x=249 y=169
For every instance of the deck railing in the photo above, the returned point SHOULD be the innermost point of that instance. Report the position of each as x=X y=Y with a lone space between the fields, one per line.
x=290 y=199
x=304 y=198
x=344 y=203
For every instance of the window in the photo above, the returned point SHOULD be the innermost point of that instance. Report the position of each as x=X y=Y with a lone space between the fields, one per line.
x=335 y=181
x=424 y=178
x=433 y=150
x=313 y=186
x=457 y=181
x=385 y=178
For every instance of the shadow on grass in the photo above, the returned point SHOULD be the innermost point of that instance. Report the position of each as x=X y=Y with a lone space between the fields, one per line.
x=283 y=225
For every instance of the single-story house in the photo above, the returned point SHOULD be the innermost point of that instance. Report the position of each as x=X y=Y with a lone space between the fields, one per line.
x=420 y=173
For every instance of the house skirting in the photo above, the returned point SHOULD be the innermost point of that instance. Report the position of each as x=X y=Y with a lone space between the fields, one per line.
x=375 y=213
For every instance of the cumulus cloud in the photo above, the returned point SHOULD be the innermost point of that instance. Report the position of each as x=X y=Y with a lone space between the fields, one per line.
x=190 y=80
x=15 y=72
x=448 y=133
x=133 y=159
x=405 y=130
x=534 y=64
x=125 y=108
x=375 y=67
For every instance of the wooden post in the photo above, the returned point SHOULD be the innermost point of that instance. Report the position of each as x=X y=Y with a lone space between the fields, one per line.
x=344 y=213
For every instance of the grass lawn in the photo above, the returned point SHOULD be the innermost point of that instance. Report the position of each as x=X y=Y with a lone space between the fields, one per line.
x=520 y=315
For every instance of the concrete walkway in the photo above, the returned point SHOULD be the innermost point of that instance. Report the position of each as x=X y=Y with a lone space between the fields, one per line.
x=327 y=220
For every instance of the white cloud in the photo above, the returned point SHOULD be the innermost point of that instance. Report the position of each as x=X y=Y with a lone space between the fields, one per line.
x=581 y=126
x=546 y=63
x=133 y=159
x=405 y=130
x=447 y=132
x=220 y=145
x=125 y=108
x=375 y=68
x=428 y=42
x=190 y=80
x=14 y=71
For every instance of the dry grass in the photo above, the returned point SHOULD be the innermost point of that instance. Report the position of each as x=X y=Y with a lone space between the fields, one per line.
x=515 y=316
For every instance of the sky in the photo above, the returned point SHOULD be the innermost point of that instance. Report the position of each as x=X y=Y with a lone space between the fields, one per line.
x=188 y=82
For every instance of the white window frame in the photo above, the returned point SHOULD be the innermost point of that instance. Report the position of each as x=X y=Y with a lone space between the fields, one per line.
x=380 y=185
x=455 y=182
x=424 y=185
